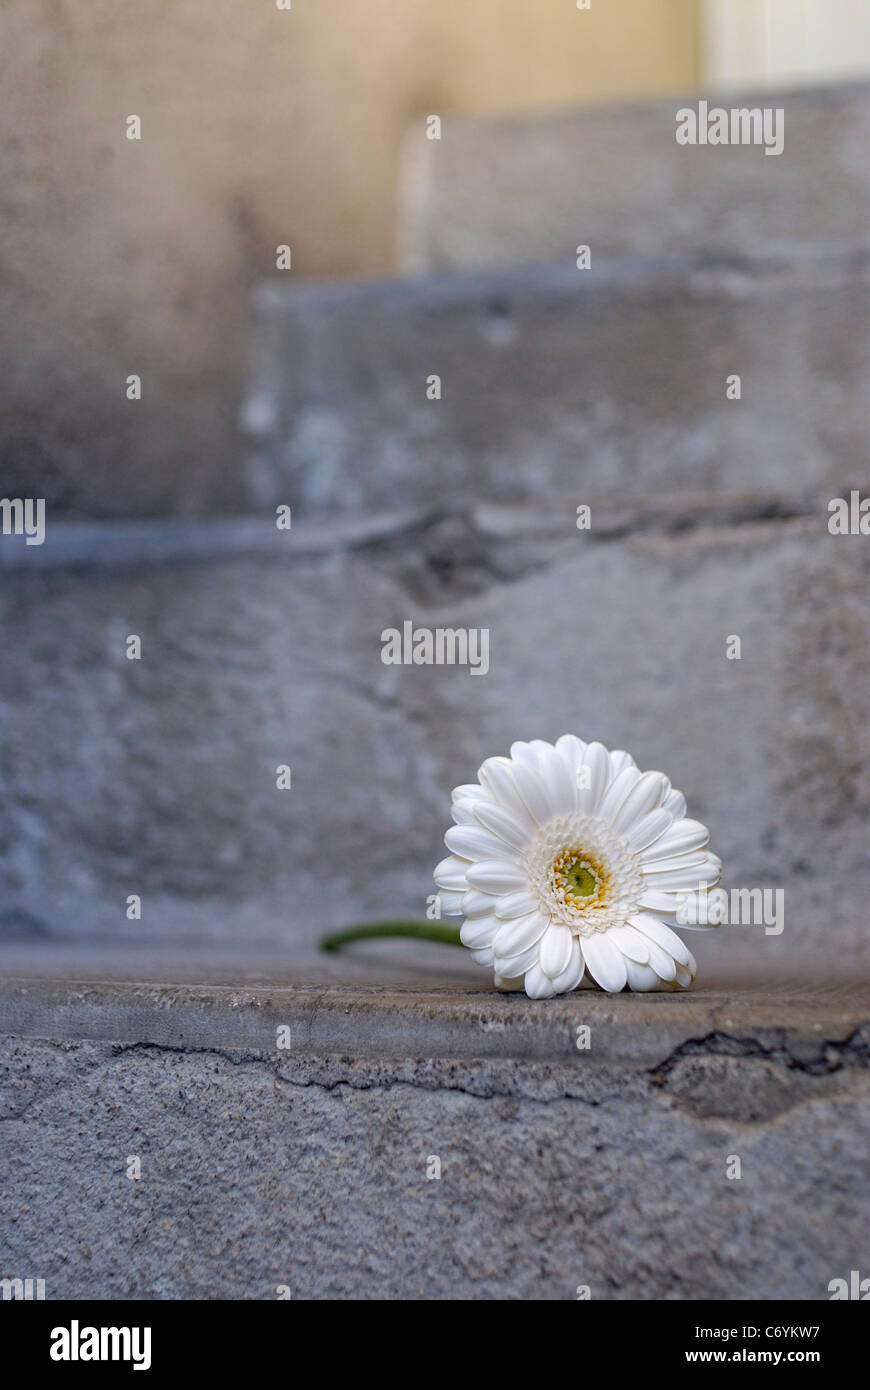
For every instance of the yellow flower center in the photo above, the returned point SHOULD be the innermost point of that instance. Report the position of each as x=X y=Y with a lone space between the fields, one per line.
x=579 y=879
x=582 y=874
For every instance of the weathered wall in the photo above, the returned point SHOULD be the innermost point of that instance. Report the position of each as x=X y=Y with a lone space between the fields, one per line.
x=260 y=127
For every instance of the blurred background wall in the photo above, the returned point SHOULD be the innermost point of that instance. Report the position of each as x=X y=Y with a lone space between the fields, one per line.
x=263 y=127
x=260 y=127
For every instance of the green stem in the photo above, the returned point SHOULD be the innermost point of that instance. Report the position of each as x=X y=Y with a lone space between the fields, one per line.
x=418 y=931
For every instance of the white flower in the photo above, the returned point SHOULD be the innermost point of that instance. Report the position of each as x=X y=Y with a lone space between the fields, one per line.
x=568 y=857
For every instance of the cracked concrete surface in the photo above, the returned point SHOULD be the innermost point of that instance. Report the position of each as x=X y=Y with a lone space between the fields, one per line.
x=307 y=1167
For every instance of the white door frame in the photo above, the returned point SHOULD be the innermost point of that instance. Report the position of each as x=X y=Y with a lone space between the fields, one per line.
x=785 y=43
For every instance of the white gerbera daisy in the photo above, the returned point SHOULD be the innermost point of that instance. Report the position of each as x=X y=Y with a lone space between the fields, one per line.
x=568 y=858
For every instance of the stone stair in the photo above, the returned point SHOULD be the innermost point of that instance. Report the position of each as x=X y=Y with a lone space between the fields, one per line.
x=558 y=387
x=261 y=648
x=157 y=777
x=503 y=191
x=309 y=1168
x=557 y=382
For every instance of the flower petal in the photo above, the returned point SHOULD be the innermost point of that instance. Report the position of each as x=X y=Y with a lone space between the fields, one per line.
x=571 y=749
x=707 y=870
x=659 y=902
x=616 y=793
x=515 y=905
x=679 y=880
x=510 y=967
x=555 y=949
x=450 y=902
x=695 y=860
x=641 y=978
x=450 y=873
x=538 y=985
x=604 y=962
x=496 y=876
x=686 y=973
x=649 y=829
x=644 y=797
x=633 y=944
x=468 y=791
x=573 y=972
x=476 y=932
x=504 y=824
x=473 y=842
x=476 y=904
x=662 y=962
x=684 y=837
x=656 y=931
x=619 y=761
x=531 y=788
x=508 y=986
x=675 y=802
x=497 y=777
x=528 y=753
x=560 y=788
x=518 y=934
x=596 y=771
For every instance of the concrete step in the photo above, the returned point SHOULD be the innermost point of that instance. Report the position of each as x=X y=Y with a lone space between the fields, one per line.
x=157 y=777
x=311 y=1167
x=559 y=382
x=502 y=190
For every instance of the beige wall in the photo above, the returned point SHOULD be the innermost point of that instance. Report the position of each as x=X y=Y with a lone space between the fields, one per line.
x=259 y=127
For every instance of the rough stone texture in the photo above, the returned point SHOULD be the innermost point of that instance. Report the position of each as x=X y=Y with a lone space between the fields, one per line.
x=522 y=188
x=307 y=1167
x=157 y=777
x=556 y=381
